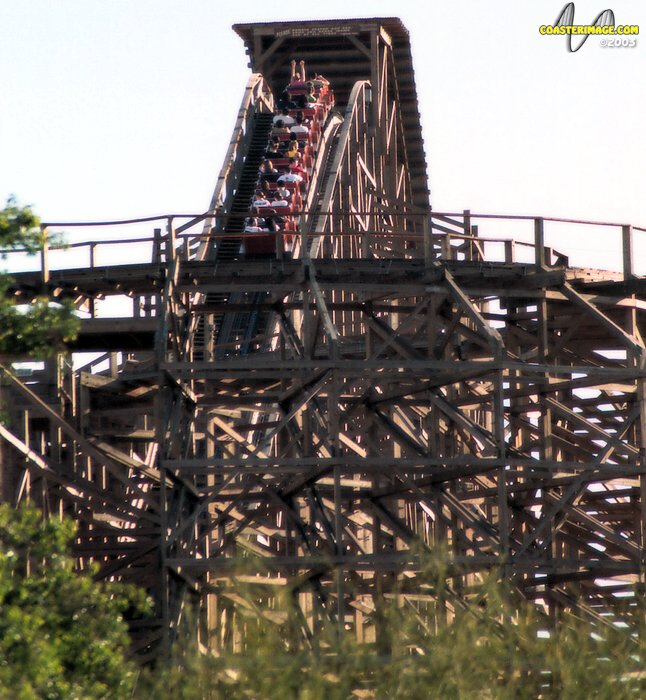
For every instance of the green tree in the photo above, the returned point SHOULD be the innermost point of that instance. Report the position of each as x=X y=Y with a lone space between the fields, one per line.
x=62 y=635
x=41 y=327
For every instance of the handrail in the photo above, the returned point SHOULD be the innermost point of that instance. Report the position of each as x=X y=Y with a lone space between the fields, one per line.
x=225 y=234
x=430 y=212
x=447 y=251
x=471 y=246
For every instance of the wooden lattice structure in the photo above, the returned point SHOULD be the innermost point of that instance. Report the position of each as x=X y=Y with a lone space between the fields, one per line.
x=402 y=381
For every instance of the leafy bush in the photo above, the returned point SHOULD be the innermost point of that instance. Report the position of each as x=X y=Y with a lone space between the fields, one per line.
x=62 y=635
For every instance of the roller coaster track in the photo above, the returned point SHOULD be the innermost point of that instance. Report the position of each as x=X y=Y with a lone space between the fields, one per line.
x=398 y=383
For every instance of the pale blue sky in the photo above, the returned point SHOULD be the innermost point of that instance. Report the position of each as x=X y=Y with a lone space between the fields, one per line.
x=124 y=108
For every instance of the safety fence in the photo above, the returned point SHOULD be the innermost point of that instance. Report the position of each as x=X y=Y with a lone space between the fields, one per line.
x=619 y=249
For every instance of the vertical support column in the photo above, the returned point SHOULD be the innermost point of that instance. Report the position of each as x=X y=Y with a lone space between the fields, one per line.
x=365 y=245
x=428 y=240
x=636 y=358
x=211 y=598
x=333 y=427
x=279 y=244
x=163 y=524
x=501 y=448
x=545 y=449
x=161 y=410
x=641 y=443
x=543 y=351
x=642 y=488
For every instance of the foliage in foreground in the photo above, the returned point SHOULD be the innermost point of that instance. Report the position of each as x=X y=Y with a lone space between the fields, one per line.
x=62 y=635
x=37 y=329
x=495 y=648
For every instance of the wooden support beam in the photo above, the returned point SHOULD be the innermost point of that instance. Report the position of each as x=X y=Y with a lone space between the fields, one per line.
x=626 y=339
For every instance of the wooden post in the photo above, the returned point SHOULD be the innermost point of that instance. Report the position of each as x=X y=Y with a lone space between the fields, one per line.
x=473 y=245
x=446 y=247
x=510 y=251
x=627 y=251
x=539 y=242
x=156 y=255
x=279 y=244
x=501 y=448
x=305 y=242
x=93 y=297
x=467 y=222
x=170 y=240
x=44 y=258
x=428 y=240
x=365 y=245
x=114 y=365
x=642 y=496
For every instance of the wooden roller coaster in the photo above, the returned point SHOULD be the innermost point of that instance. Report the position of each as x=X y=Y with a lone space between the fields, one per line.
x=400 y=381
